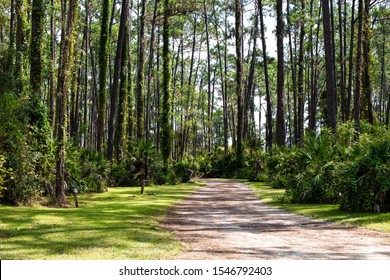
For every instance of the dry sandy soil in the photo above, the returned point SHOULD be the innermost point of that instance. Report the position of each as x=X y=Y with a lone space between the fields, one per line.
x=224 y=220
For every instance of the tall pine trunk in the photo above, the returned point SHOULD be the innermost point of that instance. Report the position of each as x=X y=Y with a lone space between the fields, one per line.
x=280 y=118
x=20 y=10
x=350 y=65
x=103 y=64
x=166 y=133
x=300 y=125
x=367 y=110
x=269 y=135
x=63 y=77
x=342 y=64
x=331 y=90
x=140 y=75
x=239 y=81
x=358 y=74
x=117 y=71
x=209 y=107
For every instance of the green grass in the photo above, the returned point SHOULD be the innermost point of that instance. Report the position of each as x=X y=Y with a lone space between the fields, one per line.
x=119 y=224
x=328 y=212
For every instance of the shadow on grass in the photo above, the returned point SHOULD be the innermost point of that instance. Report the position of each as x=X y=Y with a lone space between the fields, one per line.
x=119 y=224
x=328 y=212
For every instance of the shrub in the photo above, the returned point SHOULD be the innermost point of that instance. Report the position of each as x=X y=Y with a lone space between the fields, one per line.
x=314 y=181
x=5 y=174
x=123 y=173
x=282 y=165
x=29 y=153
x=364 y=180
x=85 y=170
x=306 y=172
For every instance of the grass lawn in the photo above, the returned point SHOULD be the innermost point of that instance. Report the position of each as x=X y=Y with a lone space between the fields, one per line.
x=119 y=224
x=329 y=212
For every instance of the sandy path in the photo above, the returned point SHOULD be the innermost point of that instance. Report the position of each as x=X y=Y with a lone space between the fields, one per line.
x=224 y=220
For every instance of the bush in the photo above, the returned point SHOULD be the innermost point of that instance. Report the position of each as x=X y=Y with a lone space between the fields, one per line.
x=364 y=181
x=181 y=172
x=85 y=170
x=29 y=153
x=123 y=173
x=218 y=165
x=335 y=168
x=307 y=172
x=5 y=174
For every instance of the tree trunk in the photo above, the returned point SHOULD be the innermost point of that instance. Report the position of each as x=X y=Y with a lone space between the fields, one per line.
x=313 y=103
x=225 y=96
x=52 y=65
x=248 y=103
x=37 y=117
x=103 y=64
x=367 y=111
x=280 y=118
x=86 y=74
x=209 y=109
x=383 y=77
x=35 y=49
x=239 y=82
x=7 y=75
x=117 y=71
x=130 y=93
x=342 y=64
x=19 y=56
x=269 y=135
x=150 y=68
x=166 y=106
x=358 y=74
x=189 y=92
x=140 y=75
x=350 y=66
x=67 y=46
x=300 y=126
x=331 y=89
x=158 y=125
x=120 y=135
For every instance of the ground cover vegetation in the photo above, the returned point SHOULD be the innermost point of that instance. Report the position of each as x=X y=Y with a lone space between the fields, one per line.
x=119 y=224
x=326 y=212
x=96 y=94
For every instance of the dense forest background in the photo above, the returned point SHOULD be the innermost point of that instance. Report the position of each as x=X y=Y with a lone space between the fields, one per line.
x=100 y=93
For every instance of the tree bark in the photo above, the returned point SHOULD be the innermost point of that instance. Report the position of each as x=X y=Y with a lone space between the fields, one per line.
x=86 y=75
x=103 y=64
x=300 y=76
x=331 y=89
x=19 y=56
x=248 y=103
x=62 y=100
x=293 y=73
x=350 y=66
x=52 y=65
x=280 y=118
x=166 y=106
x=35 y=48
x=342 y=64
x=314 y=76
x=358 y=74
x=115 y=83
x=367 y=110
x=140 y=75
x=150 y=68
x=239 y=81
x=209 y=109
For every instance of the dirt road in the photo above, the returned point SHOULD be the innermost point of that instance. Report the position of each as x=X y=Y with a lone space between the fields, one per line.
x=224 y=220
